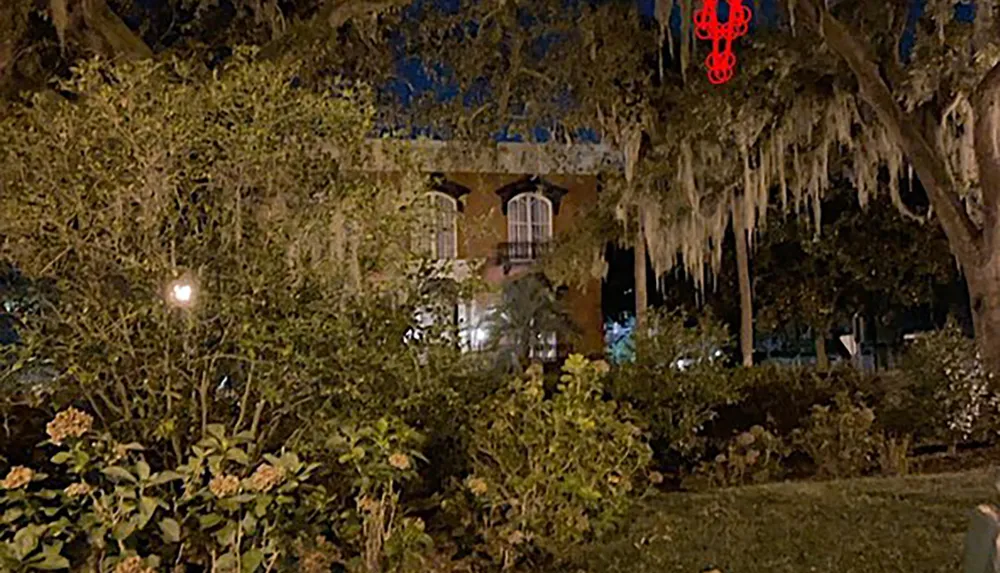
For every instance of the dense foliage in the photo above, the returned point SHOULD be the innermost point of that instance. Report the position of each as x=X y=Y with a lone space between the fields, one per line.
x=283 y=412
x=549 y=472
x=678 y=381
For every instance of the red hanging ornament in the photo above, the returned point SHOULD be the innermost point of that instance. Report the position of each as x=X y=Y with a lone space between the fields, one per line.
x=721 y=61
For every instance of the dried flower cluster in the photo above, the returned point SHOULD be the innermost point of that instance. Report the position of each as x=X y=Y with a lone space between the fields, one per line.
x=367 y=504
x=656 y=478
x=478 y=486
x=745 y=439
x=118 y=453
x=224 y=485
x=133 y=564
x=318 y=558
x=399 y=461
x=71 y=423
x=19 y=476
x=78 y=489
x=516 y=537
x=266 y=478
x=601 y=367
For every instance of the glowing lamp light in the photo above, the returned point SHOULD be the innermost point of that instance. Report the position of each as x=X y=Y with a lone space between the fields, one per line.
x=721 y=61
x=181 y=293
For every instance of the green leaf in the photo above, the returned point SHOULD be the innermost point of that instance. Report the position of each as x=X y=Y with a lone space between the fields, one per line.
x=226 y=562
x=226 y=535
x=260 y=508
x=124 y=530
x=244 y=436
x=252 y=558
x=209 y=520
x=11 y=514
x=25 y=541
x=171 y=530
x=62 y=457
x=51 y=561
x=356 y=453
x=147 y=505
x=164 y=477
x=249 y=524
x=239 y=456
x=120 y=473
x=217 y=431
x=142 y=470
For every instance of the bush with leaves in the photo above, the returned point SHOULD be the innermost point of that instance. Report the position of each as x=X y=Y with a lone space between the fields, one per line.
x=840 y=437
x=754 y=456
x=551 y=472
x=104 y=506
x=676 y=402
x=948 y=394
x=377 y=460
x=165 y=169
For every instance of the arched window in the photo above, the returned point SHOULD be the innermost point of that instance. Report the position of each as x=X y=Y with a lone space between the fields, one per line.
x=439 y=234
x=529 y=225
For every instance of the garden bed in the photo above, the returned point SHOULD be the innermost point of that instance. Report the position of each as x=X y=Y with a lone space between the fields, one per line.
x=912 y=524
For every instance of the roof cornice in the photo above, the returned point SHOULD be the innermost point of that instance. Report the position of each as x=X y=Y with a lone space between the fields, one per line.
x=431 y=156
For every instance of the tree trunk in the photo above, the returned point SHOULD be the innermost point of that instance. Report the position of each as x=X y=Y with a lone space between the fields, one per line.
x=746 y=297
x=976 y=247
x=984 y=294
x=641 y=296
x=822 y=360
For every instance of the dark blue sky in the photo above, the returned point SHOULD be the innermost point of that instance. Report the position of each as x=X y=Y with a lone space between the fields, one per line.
x=415 y=81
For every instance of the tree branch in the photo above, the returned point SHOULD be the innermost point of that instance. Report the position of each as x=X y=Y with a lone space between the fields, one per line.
x=333 y=15
x=113 y=31
x=986 y=107
x=964 y=236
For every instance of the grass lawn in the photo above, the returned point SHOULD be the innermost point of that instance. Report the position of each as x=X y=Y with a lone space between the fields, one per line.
x=913 y=524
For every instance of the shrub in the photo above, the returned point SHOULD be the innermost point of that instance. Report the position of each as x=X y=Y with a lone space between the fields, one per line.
x=297 y=265
x=550 y=472
x=754 y=456
x=948 y=394
x=675 y=400
x=894 y=455
x=839 y=437
x=104 y=507
x=781 y=397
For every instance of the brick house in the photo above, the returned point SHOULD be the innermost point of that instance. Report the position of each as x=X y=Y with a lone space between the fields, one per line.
x=504 y=204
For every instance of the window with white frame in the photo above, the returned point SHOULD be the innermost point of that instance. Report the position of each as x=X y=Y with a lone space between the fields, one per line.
x=529 y=225
x=438 y=236
x=545 y=346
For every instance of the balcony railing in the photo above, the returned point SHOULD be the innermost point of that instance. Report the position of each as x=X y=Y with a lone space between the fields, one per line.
x=510 y=255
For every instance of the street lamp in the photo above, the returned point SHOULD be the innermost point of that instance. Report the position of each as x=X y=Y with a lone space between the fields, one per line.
x=182 y=292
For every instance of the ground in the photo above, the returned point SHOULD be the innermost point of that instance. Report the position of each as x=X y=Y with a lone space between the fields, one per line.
x=914 y=525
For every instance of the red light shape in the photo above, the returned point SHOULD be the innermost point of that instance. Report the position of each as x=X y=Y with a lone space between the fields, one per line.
x=721 y=62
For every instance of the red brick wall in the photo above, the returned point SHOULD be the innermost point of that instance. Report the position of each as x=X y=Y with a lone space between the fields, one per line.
x=483 y=226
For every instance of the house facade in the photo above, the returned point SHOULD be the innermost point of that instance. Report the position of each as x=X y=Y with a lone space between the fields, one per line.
x=503 y=205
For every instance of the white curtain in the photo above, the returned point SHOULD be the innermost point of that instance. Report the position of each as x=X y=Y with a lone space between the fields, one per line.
x=529 y=222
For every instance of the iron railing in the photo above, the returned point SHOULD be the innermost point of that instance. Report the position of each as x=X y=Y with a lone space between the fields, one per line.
x=515 y=254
